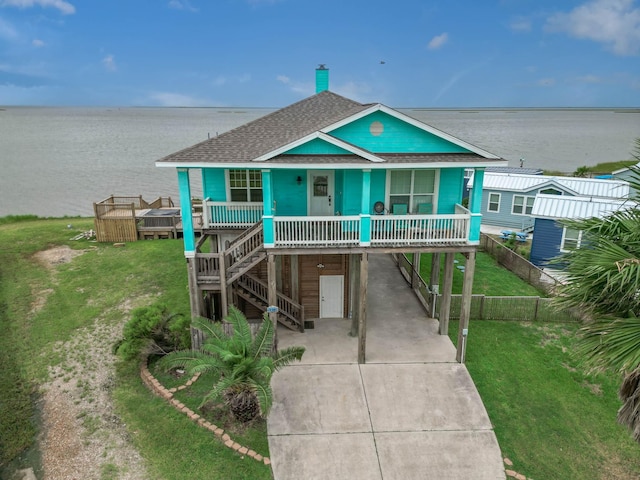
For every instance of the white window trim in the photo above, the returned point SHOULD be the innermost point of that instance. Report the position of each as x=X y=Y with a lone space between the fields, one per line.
x=227 y=177
x=489 y=202
x=564 y=235
x=524 y=205
x=436 y=188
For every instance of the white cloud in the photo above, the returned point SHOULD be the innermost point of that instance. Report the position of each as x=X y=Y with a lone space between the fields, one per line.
x=614 y=23
x=7 y=31
x=65 y=7
x=589 y=78
x=182 y=5
x=109 y=63
x=520 y=25
x=36 y=42
x=283 y=79
x=438 y=41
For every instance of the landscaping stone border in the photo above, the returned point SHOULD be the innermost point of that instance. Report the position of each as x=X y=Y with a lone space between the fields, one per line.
x=167 y=393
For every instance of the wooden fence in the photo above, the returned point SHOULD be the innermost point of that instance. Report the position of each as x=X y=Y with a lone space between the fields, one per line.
x=532 y=309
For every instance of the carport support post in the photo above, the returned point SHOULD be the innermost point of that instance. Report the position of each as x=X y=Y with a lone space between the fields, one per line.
x=272 y=294
x=465 y=306
x=415 y=271
x=434 y=281
x=362 y=307
x=445 y=302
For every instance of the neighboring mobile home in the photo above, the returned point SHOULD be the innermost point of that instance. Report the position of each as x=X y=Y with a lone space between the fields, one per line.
x=507 y=199
x=295 y=201
x=551 y=237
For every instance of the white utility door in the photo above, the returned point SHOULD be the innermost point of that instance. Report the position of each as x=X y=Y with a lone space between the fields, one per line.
x=331 y=296
x=321 y=195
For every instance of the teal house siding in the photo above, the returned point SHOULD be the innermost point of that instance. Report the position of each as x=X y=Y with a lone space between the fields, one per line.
x=352 y=188
x=214 y=185
x=378 y=188
x=290 y=198
x=317 y=147
x=395 y=137
x=450 y=189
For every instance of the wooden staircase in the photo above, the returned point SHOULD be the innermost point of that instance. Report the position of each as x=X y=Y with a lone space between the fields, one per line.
x=255 y=291
x=238 y=258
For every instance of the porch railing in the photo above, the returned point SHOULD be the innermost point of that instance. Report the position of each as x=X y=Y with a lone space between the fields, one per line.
x=230 y=214
x=316 y=231
x=419 y=229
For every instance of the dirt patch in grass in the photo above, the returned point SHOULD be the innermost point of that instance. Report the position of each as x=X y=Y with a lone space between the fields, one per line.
x=82 y=433
x=57 y=255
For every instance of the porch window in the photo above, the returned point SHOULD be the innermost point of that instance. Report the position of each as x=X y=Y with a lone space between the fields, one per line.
x=411 y=188
x=494 y=202
x=522 y=205
x=571 y=239
x=245 y=185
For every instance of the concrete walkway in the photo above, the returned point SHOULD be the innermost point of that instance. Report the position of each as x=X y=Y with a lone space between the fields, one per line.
x=411 y=412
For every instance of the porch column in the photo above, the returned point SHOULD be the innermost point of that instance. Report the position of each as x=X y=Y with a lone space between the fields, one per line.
x=445 y=301
x=465 y=307
x=365 y=210
x=362 y=307
x=272 y=294
x=475 y=204
x=267 y=214
x=185 y=212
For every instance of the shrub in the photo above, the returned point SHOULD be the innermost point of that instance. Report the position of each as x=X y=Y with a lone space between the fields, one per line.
x=153 y=330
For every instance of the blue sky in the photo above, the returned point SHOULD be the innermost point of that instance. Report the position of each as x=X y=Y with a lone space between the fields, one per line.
x=263 y=53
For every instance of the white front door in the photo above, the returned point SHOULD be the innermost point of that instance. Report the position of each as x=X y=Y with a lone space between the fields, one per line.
x=321 y=195
x=331 y=296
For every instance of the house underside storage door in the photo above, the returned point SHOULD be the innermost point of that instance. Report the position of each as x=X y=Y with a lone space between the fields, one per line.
x=331 y=296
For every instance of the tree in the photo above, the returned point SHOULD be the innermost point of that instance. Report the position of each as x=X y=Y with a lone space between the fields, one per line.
x=582 y=172
x=604 y=282
x=244 y=363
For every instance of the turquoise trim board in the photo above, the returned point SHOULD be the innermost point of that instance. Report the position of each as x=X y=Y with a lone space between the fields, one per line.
x=475 y=199
x=474 y=229
x=185 y=207
x=267 y=201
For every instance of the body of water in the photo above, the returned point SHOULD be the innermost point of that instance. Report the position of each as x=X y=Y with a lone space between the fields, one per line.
x=58 y=161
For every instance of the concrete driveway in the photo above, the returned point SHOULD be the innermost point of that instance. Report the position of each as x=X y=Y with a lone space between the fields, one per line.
x=411 y=412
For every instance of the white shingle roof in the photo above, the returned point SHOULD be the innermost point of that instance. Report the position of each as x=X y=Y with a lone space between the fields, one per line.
x=562 y=206
x=591 y=187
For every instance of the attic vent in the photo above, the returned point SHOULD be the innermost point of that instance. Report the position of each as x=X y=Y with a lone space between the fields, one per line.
x=376 y=128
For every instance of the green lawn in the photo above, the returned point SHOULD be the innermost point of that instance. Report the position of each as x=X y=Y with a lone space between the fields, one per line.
x=551 y=419
x=490 y=278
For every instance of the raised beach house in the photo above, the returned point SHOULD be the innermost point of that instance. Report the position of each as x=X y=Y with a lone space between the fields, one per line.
x=295 y=201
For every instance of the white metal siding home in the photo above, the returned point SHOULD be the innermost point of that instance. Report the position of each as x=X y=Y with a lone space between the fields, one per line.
x=508 y=198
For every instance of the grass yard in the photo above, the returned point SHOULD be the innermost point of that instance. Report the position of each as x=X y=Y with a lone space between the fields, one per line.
x=490 y=278
x=41 y=306
x=551 y=419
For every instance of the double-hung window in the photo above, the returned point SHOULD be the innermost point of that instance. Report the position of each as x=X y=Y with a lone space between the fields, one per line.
x=494 y=202
x=522 y=205
x=245 y=185
x=413 y=188
x=571 y=239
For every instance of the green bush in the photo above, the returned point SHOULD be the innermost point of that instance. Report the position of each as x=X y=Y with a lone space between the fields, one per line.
x=153 y=330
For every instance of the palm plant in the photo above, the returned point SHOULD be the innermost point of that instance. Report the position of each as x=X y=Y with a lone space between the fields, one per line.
x=244 y=363
x=604 y=281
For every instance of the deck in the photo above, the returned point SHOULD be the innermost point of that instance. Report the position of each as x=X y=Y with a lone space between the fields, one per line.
x=131 y=218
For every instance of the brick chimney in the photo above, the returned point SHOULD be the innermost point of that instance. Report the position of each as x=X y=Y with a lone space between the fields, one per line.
x=322 y=78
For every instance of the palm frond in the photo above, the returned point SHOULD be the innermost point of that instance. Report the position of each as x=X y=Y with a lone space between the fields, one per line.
x=241 y=329
x=263 y=342
x=286 y=356
x=211 y=330
x=265 y=396
x=611 y=344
